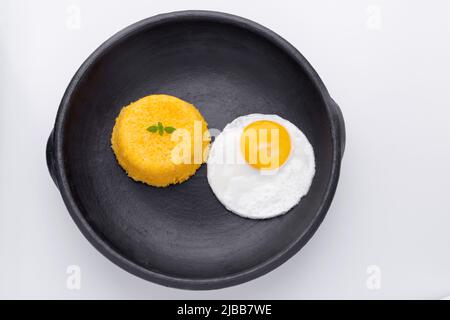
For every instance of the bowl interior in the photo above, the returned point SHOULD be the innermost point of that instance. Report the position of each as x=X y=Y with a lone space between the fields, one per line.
x=226 y=71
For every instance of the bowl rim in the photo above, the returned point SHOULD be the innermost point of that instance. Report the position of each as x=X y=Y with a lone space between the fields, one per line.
x=103 y=246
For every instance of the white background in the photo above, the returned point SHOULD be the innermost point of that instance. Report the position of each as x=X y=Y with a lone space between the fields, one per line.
x=387 y=64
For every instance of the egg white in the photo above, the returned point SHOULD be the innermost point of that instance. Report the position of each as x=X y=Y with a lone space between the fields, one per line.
x=252 y=193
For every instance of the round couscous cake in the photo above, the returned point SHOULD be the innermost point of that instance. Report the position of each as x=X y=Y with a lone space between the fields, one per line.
x=160 y=140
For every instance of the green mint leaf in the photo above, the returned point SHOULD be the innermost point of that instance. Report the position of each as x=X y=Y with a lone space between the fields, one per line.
x=169 y=129
x=160 y=129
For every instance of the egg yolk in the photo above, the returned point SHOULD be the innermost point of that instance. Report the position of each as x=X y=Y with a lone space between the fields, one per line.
x=265 y=145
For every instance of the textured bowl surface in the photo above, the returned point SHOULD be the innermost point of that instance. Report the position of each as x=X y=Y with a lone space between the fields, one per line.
x=182 y=236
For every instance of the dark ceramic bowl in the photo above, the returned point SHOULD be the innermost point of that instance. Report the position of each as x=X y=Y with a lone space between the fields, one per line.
x=181 y=236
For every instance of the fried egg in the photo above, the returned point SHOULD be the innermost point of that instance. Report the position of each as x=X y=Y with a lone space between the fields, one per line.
x=260 y=166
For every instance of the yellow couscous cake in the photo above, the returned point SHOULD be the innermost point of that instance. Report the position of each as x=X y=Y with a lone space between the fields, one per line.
x=160 y=140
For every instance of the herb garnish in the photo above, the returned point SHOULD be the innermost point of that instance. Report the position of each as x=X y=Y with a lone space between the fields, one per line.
x=160 y=129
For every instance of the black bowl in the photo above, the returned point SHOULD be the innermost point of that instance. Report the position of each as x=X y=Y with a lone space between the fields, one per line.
x=181 y=236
